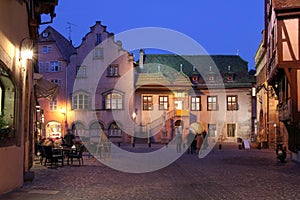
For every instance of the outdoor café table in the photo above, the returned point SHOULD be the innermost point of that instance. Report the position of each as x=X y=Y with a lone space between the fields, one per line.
x=57 y=153
x=66 y=150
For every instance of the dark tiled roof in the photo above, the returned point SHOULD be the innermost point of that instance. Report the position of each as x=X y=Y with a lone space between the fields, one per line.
x=203 y=65
x=284 y=4
x=65 y=46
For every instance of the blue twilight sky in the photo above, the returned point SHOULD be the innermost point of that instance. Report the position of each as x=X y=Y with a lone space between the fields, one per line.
x=227 y=27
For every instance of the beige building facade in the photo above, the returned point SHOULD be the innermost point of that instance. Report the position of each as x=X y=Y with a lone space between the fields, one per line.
x=18 y=34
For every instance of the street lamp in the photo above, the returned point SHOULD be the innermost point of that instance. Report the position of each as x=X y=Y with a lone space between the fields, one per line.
x=275 y=134
x=64 y=112
x=134 y=114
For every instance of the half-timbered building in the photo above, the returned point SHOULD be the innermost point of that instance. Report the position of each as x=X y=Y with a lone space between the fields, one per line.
x=282 y=27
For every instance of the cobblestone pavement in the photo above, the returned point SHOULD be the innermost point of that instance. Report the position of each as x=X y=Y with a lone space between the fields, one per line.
x=228 y=173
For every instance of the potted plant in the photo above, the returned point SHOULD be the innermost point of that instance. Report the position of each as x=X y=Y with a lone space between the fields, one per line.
x=4 y=130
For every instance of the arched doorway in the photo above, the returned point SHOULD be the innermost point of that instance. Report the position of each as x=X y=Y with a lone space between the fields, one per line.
x=53 y=129
x=95 y=131
x=79 y=129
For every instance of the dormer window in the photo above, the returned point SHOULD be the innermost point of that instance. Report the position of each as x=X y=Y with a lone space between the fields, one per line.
x=211 y=76
x=230 y=75
x=45 y=34
x=195 y=76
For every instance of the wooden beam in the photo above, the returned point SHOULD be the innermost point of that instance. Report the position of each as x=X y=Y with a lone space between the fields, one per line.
x=288 y=75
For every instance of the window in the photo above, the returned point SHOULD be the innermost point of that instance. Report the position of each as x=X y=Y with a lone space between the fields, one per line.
x=232 y=103
x=41 y=67
x=47 y=66
x=53 y=105
x=196 y=103
x=98 y=53
x=163 y=103
x=80 y=102
x=230 y=77
x=55 y=66
x=231 y=130
x=147 y=103
x=212 y=103
x=81 y=72
x=211 y=78
x=57 y=81
x=178 y=104
x=96 y=129
x=98 y=38
x=47 y=49
x=113 y=70
x=113 y=101
x=212 y=129
x=7 y=109
x=114 y=130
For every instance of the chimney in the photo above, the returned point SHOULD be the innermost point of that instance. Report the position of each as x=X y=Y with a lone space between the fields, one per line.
x=141 y=60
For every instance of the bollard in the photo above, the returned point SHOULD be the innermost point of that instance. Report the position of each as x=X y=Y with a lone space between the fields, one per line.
x=220 y=146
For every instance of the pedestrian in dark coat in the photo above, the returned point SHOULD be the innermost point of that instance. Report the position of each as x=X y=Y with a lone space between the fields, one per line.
x=190 y=142
x=199 y=142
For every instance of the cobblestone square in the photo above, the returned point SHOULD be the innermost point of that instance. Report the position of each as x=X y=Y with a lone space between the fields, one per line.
x=228 y=173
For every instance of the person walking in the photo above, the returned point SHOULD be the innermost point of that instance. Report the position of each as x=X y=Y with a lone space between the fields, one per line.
x=178 y=141
x=199 y=142
x=190 y=139
x=69 y=138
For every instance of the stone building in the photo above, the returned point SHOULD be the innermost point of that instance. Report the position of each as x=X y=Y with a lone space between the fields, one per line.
x=183 y=93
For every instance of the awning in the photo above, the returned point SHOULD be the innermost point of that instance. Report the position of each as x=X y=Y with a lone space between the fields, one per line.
x=44 y=88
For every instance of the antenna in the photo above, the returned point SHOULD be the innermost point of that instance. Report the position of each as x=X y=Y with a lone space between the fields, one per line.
x=69 y=28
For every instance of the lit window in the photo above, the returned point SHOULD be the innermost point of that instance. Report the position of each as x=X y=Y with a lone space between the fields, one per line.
x=232 y=103
x=196 y=103
x=53 y=105
x=113 y=101
x=163 y=103
x=212 y=103
x=147 y=103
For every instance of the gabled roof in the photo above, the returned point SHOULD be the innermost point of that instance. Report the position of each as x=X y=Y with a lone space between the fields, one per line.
x=64 y=46
x=203 y=65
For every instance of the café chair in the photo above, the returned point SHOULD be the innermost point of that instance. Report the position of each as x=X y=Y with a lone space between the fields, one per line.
x=51 y=155
x=76 y=155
